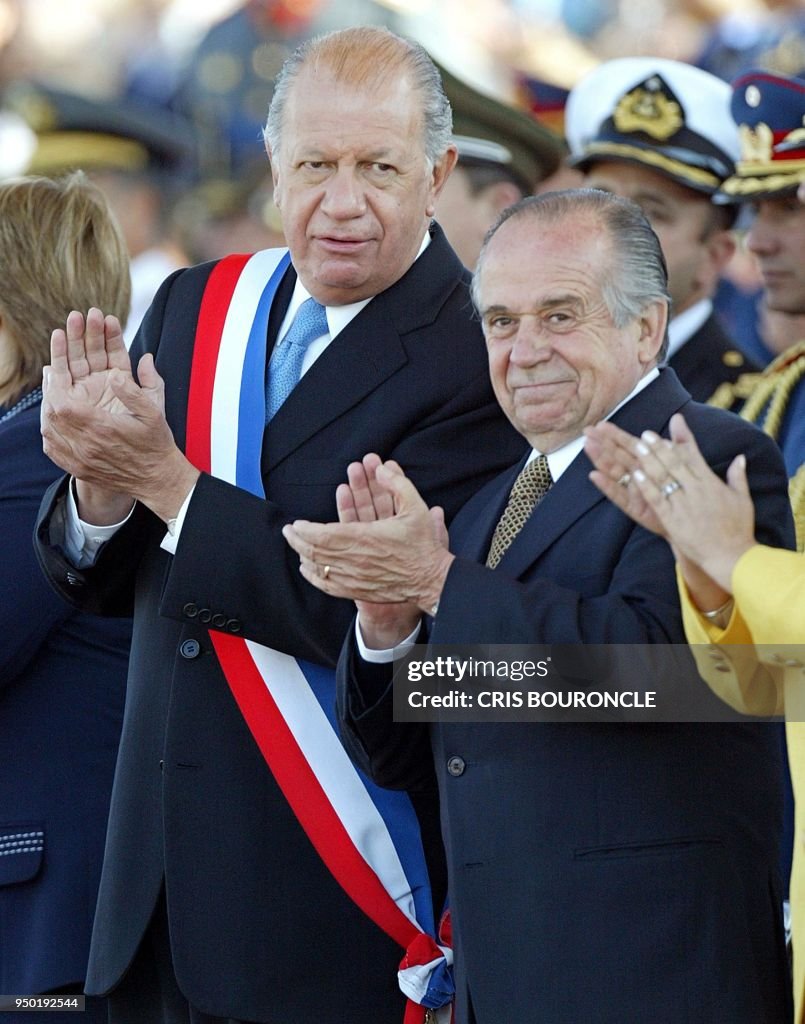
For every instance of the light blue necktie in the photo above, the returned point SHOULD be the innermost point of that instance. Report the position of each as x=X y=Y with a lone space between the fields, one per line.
x=285 y=366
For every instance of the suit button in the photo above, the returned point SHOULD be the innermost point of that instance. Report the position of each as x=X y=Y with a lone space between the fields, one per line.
x=456 y=765
x=218 y=620
x=161 y=765
x=74 y=580
x=234 y=625
x=190 y=610
x=204 y=615
x=190 y=649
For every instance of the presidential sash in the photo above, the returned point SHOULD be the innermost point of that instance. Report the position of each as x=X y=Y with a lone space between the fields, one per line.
x=368 y=837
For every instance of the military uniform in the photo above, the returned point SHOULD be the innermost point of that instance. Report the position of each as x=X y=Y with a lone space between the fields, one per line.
x=672 y=120
x=770 y=113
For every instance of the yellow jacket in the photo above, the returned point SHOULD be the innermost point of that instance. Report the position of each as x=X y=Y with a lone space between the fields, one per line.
x=757 y=665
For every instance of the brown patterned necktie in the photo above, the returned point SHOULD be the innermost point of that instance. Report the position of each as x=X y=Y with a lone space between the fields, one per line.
x=529 y=489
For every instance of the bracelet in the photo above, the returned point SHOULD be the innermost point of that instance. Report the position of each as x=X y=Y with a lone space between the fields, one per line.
x=720 y=616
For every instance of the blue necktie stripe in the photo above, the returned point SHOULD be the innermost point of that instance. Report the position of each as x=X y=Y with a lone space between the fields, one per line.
x=285 y=366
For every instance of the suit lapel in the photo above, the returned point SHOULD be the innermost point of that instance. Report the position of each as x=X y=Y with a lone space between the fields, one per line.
x=573 y=495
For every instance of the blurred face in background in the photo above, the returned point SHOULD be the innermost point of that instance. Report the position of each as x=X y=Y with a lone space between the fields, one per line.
x=466 y=213
x=776 y=238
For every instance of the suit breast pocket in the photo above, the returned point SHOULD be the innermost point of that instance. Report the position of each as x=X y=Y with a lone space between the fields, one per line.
x=22 y=847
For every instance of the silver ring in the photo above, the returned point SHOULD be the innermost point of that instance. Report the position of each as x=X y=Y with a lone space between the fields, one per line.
x=672 y=486
x=325 y=571
x=625 y=480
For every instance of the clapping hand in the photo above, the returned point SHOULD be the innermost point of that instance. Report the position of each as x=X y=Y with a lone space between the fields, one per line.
x=388 y=552
x=107 y=430
x=668 y=487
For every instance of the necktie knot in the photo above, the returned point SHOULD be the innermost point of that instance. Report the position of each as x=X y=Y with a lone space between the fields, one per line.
x=285 y=367
x=528 y=490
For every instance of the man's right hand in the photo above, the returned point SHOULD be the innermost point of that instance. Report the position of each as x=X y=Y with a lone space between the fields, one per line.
x=362 y=499
x=84 y=417
x=81 y=360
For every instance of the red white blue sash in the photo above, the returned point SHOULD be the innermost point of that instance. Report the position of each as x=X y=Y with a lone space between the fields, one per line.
x=368 y=837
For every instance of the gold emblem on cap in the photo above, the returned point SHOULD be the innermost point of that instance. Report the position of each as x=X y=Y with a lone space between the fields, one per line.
x=649 y=111
x=756 y=143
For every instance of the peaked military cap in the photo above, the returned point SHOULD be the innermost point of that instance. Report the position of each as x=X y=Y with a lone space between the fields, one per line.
x=75 y=131
x=488 y=131
x=769 y=110
x=668 y=116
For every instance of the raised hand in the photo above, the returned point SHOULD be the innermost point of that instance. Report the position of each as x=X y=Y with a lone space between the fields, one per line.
x=108 y=431
x=400 y=559
x=614 y=454
x=363 y=499
x=668 y=487
x=709 y=522
x=83 y=355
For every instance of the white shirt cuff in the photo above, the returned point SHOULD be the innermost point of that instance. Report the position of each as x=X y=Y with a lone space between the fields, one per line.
x=385 y=656
x=82 y=541
x=171 y=539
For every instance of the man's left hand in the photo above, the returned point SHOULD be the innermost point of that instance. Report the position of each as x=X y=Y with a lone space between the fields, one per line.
x=386 y=561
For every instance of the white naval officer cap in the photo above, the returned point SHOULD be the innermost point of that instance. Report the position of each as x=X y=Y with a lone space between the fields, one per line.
x=663 y=114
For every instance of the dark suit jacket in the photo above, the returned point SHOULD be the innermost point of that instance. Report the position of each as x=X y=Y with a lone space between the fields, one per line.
x=709 y=358
x=616 y=873
x=259 y=928
x=62 y=684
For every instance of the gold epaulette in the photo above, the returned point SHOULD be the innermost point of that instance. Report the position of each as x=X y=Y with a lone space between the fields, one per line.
x=731 y=392
x=768 y=401
x=765 y=406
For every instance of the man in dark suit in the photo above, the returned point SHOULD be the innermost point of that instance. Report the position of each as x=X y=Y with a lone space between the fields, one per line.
x=599 y=871
x=659 y=132
x=259 y=928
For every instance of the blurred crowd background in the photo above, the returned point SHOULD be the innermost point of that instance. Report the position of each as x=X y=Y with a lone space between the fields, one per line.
x=163 y=101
